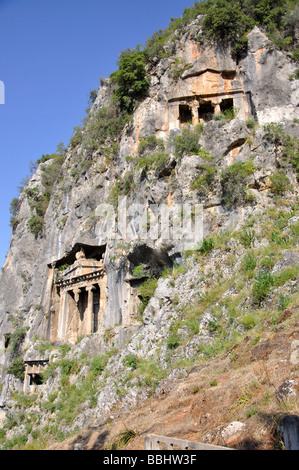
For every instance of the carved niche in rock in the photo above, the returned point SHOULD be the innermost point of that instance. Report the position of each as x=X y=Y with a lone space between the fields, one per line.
x=33 y=374
x=203 y=93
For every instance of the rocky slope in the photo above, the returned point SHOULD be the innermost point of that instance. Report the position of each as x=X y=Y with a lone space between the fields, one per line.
x=181 y=326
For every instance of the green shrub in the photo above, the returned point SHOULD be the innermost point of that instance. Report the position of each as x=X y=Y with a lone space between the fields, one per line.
x=77 y=136
x=106 y=123
x=247 y=238
x=267 y=262
x=123 y=439
x=14 y=222
x=213 y=326
x=151 y=371
x=177 y=69
x=49 y=371
x=229 y=21
x=16 y=339
x=283 y=302
x=249 y=262
x=240 y=46
x=280 y=278
x=63 y=267
x=177 y=269
x=66 y=366
x=23 y=400
x=68 y=400
x=2 y=435
x=295 y=75
x=155 y=45
x=278 y=238
x=16 y=368
x=64 y=349
x=204 y=154
x=131 y=361
x=233 y=182
x=193 y=325
x=39 y=199
x=295 y=55
x=155 y=161
x=13 y=209
x=123 y=186
x=248 y=321
x=98 y=364
x=44 y=158
x=225 y=20
x=227 y=115
x=49 y=405
x=188 y=142
x=36 y=224
x=263 y=282
x=17 y=441
x=205 y=180
x=131 y=79
x=173 y=341
x=51 y=172
x=251 y=124
x=92 y=96
x=287 y=147
x=280 y=183
x=149 y=144
x=146 y=291
x=207 y=245
x=38 y=202
x=140 y=271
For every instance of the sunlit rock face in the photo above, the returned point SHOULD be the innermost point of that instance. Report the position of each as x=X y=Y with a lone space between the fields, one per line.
x=76 y=278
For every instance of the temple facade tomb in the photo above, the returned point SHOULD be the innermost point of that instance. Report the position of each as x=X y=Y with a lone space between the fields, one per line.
x=78 y=297
x=202 y=94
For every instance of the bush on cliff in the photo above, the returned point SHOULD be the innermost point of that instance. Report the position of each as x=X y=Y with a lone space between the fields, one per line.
x=131 y=79
x=233 y=182
x=225 y=20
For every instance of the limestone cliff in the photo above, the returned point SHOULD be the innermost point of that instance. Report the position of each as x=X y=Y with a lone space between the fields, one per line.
x=214 y=133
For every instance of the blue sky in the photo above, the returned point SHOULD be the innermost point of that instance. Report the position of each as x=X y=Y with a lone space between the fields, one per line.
x=52 y=54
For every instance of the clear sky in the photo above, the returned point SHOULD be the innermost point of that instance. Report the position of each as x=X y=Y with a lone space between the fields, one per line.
x=52 y=54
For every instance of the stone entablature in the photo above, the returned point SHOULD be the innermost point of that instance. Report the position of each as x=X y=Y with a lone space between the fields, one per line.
x=36 y=366
x=81 y=272
x=80 y=281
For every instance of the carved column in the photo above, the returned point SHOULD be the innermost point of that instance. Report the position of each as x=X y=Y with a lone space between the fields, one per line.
x=195 y=118
x=62 y=314
x=173 y=115
x=78 y=317
x=26 y=380
x=77 y=295
x=89 y=312
x=217 y=109
x=47 y=321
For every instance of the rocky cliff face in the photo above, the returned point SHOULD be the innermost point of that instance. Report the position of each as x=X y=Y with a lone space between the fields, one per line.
x=216 y=134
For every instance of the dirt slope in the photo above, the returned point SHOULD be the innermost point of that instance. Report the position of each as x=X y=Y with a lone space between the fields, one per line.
x=248 y=385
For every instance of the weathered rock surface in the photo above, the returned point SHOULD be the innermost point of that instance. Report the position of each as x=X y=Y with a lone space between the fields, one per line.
x=32 y=297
